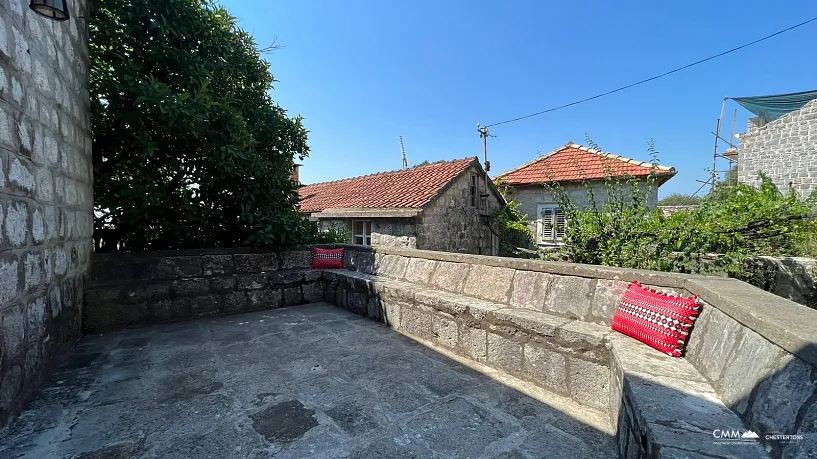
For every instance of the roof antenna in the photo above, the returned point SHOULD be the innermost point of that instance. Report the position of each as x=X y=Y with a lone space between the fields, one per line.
x=403 y=148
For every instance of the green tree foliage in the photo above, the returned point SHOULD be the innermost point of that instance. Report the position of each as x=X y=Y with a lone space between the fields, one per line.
x=189 y=149
x=731 y=225
x=678 y=199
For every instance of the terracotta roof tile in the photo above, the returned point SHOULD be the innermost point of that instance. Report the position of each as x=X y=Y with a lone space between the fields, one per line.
x=574 y=162
x=406 y=188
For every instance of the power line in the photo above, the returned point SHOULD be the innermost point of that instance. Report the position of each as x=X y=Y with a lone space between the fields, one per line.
x=656 y=76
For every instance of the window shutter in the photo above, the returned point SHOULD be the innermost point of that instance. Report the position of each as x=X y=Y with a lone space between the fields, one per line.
x=560 y=224
x=547 y=223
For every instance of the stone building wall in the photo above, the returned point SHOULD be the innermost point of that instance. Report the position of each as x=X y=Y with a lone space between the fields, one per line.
x=451 y=224
x=784 y=149
x=530 y=197
x=386 y=232
x=46 y=200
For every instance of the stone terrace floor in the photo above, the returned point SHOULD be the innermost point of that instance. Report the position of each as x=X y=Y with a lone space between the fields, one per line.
x=306 y=381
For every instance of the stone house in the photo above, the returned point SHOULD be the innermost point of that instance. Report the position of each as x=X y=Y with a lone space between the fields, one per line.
x=574 y=168
x=784 y=147
x=441 y=206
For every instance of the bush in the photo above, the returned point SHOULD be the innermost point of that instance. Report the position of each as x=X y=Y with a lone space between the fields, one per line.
x=512 y=229
x=189 y=150
x=732 y=224
x=678 y=199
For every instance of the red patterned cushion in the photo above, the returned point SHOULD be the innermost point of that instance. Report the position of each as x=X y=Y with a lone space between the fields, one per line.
x=327 y=258
x=656 y=319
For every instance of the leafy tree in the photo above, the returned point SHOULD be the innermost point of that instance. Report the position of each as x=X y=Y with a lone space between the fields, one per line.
x=678 y=199
x=189 y=149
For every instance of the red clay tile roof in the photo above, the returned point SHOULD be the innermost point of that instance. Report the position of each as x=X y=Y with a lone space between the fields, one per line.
x=574 y=162
x=407 y=188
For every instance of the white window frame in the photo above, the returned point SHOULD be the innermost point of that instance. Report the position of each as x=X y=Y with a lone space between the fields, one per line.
x=363 y=237
x=550 y=224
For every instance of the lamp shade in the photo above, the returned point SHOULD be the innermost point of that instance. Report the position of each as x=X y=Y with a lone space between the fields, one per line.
x=52 y=9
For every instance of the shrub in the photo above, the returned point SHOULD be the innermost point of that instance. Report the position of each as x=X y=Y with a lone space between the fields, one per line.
x=731 y=224
x=515 y=236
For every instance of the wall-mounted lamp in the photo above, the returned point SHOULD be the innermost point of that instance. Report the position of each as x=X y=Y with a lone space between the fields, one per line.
x=52 y=9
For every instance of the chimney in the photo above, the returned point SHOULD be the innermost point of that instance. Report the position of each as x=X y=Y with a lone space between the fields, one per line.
x=295 y=176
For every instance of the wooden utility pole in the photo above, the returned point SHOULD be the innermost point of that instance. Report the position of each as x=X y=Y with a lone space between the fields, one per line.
x=483 y=132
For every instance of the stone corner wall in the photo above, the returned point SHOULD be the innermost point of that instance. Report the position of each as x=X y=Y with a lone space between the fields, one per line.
x=784 y=149
x=46 y=192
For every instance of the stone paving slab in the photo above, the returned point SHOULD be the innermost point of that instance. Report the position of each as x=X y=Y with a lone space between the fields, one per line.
x=307 y=381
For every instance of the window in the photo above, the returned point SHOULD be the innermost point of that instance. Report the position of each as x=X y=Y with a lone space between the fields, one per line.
x=551 y=224
x=473 y=190
x=362 y=232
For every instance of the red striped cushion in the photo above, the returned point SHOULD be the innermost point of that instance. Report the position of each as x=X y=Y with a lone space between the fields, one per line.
x=658 y=320
x=327 y=258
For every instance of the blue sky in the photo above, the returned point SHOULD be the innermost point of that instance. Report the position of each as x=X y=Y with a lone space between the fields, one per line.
x=363 y=73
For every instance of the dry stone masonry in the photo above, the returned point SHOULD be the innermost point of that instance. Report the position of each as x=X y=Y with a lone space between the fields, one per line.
x=784 y=149
x=45 y=193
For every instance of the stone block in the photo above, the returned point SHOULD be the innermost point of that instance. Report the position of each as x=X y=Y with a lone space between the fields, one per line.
x=570 y=296
x=546 y=367
x=374 y=309
x=606 y=298
x=10 y=278
x=205 y=306
x=391 y=313
x=529 y=290
x=12 y=331
x=235 y=302
x=359 y=261
x=188 y=287
x=223 y=284
x=295 y=259
x=419 y=271
x=16 y=225
x=292 y=296
x=358 y=303
x=264 y=299
x=33 y=266
x=255 y=262
x=445 y=329
x=450 y=276
x=252 y=282
x=313 y=291
x=280 y=278
x=755 y=360
x=489 y=283
x=171 y=310
x=393 y=266
x=474 y=343
x=416 y=322
x=36 y=315
x=589 y=383
x=780 y=397
x=174 y=268
x=313 y=275
x=10 y=386
x=712 y=342
x=217 y=265
x=504 y=354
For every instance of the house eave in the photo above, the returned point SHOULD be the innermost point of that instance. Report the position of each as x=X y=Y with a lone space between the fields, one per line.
x=367 y=212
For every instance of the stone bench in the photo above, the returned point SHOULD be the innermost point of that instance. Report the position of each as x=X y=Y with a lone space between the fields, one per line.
x=662 y=406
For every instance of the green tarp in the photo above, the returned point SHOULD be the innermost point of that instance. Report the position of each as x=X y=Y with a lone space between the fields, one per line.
x=772 y=107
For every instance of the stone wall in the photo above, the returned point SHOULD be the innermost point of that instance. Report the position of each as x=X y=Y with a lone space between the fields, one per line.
x=137 y=289
x=45 y=193
x=451 y=224
x=794 y=278
x=784 y=149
